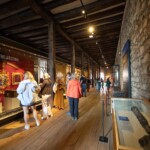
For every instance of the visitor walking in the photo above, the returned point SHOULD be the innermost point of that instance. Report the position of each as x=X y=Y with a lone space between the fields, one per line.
x=45 y=93
x=27 y=96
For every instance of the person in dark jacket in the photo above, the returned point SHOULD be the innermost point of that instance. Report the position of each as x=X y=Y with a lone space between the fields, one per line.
x=83 y=85
x=108 y=83
x=46 y=96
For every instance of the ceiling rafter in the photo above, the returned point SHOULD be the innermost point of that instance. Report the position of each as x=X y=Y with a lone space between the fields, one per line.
x=48 y=17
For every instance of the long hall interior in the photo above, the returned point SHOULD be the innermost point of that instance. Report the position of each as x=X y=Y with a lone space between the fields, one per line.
x=88 y=65
x=60 y=131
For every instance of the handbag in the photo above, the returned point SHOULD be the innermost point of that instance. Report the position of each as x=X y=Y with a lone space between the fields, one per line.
x=40 y=95
x=40 y=92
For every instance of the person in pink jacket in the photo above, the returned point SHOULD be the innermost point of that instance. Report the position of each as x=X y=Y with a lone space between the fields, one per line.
x=74 y=92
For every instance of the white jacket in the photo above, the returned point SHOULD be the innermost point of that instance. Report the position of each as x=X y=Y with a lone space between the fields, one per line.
x=26 y=91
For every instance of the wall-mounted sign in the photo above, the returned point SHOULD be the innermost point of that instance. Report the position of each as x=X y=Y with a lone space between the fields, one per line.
x=4 y=57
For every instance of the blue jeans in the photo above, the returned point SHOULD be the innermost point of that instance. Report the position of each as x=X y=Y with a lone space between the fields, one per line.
x=73 y=103
x=83 y=89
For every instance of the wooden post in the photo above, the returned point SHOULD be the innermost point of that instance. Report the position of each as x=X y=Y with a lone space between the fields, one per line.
x=99 y=70
x=73 y=59
x=51 y=52
x=82 y=67
x=92 y=74
x=88 y=61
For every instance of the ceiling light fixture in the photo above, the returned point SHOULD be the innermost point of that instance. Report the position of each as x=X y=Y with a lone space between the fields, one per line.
x=83 y=10
x=91 y=29
x=91 y=36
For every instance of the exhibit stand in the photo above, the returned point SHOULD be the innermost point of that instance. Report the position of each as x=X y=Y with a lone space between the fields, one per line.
x=131 y=124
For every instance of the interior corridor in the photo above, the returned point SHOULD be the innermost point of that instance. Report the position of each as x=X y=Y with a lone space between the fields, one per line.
x=61 y=132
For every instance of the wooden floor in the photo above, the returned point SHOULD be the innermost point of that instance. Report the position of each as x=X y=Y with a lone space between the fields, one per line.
x=60 y=132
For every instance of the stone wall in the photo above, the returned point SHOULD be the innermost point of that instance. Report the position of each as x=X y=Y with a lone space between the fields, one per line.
x=136 y=28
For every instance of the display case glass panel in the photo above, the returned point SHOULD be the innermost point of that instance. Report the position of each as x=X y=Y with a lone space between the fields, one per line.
x=131 y=118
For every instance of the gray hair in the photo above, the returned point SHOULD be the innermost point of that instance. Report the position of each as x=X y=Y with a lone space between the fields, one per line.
x=46 y=76
x=74 y=76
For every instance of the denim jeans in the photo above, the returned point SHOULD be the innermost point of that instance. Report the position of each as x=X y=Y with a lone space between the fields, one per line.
x=83 y=89
x=73 y=104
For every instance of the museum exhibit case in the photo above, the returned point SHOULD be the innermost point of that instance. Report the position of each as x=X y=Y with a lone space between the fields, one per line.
x=13 y=63
x=131 y=124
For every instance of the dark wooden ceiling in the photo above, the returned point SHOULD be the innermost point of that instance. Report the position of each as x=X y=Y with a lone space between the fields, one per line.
x=26 y=21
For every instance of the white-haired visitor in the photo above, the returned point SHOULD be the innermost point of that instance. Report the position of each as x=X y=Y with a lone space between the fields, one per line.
x=74 y=92
x=45 y=93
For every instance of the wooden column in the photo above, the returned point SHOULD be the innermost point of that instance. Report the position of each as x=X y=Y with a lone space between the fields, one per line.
x=51 y=52
x=92 y=74
x=82 y=67
x=88 y=63
x=73 y=59
x=99 y=70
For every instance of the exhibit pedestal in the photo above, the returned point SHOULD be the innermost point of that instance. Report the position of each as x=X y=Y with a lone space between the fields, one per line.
x=131 y=124
x=11 y=103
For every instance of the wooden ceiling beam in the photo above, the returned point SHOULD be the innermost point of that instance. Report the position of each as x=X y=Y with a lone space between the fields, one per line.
x=90 y=8
x=13 y=7
x=26 y=34
x=18 y=6
x=110 y=35
x=96 y=24
x=37 y=38
x=29 y=35
x=47 y=16
x=26 y=27
x=91 y=41
x=92 y=18
x=21 y=46
x=59 y=43
x=53 y=4
x=99 y=31
x=20 y=18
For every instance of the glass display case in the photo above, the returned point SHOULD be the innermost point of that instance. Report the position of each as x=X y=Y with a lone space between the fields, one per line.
x=131 y=124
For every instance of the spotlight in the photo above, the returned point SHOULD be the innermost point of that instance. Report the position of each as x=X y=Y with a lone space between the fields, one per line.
x=91 y=29
x=91 y=36
x=83 y=11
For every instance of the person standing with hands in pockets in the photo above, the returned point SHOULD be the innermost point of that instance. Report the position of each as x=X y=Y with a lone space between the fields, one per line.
x=74 y=92
x=26 y=94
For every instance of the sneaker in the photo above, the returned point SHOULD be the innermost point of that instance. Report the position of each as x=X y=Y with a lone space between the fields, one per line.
x=43 y=118
x=68 y=113
x=27 y=127
x=37 y=123
x=75 y=118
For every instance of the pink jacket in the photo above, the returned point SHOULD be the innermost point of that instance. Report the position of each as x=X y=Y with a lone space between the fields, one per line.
x=74 y=89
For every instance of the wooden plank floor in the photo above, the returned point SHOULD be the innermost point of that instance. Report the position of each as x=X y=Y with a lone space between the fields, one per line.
x=60 y=132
